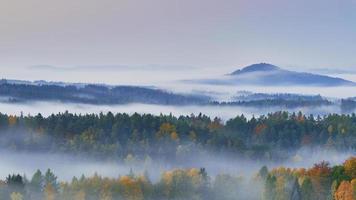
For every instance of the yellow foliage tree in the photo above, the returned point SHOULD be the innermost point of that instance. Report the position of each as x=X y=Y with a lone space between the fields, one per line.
x=353 y=184
x=196 y=177
x=166 y=129
x=12 y=120
x=49 y=192
x=174 y=136
x=132 y=188
x=16 y=196
x=350 y=167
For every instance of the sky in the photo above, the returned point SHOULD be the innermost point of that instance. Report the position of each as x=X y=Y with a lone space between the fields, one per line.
x=63 y=40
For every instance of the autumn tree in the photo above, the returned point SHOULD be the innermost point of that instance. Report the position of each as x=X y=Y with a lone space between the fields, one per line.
x=320 y=176
x=345 y=191
x=350 y=167
x=131 y=188
x=16 y=196
x=49 y=192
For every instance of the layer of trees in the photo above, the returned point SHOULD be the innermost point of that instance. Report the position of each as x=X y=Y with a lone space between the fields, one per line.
x=249 y=96
x=169 y=137
x=286 y=100
x=187 y=184
x=320 y=182
x=287 y=103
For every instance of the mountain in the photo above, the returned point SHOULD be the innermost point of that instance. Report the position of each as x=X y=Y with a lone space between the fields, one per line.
x=265 y=74
x=262 y=67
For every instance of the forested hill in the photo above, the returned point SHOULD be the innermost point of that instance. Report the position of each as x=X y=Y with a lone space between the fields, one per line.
x=95 y=94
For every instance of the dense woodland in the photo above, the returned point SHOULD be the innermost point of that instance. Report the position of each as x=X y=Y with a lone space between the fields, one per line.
x=168 y=137
x=320 y=182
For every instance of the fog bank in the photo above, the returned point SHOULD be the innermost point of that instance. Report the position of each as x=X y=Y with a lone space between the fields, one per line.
x=223 y=112
x=66 y=166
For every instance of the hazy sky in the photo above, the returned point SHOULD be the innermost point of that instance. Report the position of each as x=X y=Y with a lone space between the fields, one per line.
x=174 y=34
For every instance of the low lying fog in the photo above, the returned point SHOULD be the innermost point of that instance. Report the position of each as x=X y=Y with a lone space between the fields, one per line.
x=66 y=166
x=223 y=112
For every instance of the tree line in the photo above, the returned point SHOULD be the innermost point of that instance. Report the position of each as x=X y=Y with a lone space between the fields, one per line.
x=168 y=137
x=320 y=182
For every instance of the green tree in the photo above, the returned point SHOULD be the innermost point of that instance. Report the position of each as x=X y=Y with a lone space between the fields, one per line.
x=51 y=179
x=36 y=185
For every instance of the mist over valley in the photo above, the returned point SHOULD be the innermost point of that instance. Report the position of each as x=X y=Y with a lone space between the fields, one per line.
x=178 y=100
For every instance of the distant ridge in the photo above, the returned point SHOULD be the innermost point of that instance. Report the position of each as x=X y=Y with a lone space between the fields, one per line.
x=264 y=74
x=13 y=91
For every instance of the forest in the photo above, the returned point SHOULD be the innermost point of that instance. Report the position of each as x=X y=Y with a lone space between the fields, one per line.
x=271 y=137
x=319 y=182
